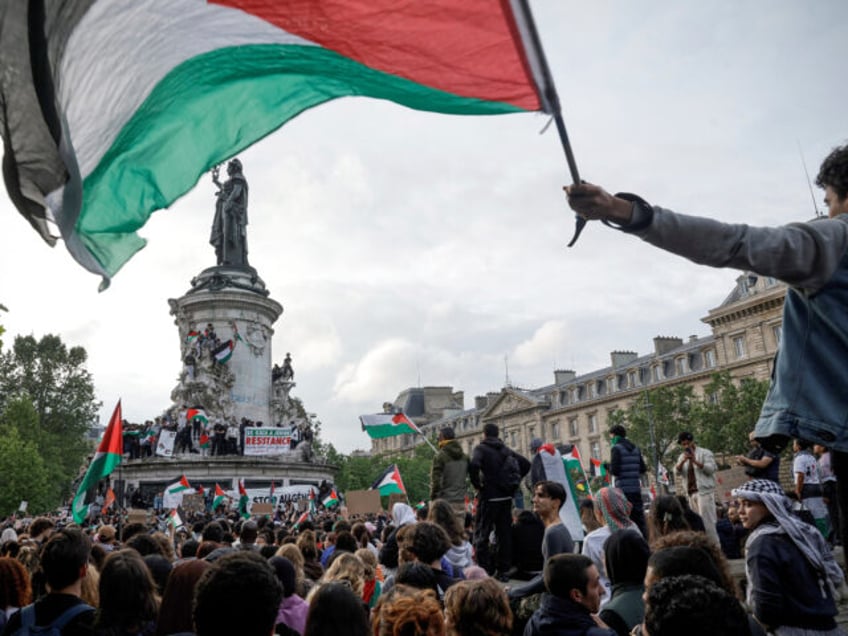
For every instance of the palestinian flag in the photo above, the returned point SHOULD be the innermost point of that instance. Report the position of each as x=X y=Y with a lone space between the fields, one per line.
x=174 y=519
x=220 y=497
x=577 y=482
x=312 y=501
x=223 y=352
x=272 y=489
x=108 y=500
x=243 y=500
x=204 y=441
x=387 y=425
x=200 y=490
x=179 y=486
x=389 y=482
x=302 y=518
x=112 y=109
x=331 y=499
x=598 y=468
x=108 y=455
x=197 y=414
x=192 y=337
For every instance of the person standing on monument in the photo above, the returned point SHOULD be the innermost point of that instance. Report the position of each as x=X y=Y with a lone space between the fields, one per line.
x=697 y=467
x=449 y=472
x=627 y=466
x=229 y=226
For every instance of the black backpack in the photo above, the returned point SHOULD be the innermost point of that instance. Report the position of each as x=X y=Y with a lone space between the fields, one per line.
x=510 y=473
x=55 y=628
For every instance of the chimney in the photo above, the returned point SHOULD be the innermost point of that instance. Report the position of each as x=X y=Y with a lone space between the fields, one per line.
x=481 y=402
x=459 y=399
x=693 y=338
x=563 y=376
x=664 y=344
x=622 y=358
x=491 y=397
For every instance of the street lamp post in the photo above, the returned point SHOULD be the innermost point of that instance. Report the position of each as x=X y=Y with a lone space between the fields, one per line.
x=652 y=434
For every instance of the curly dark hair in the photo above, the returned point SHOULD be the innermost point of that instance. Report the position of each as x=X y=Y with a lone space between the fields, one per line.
x=834 y=171
x=694 y=606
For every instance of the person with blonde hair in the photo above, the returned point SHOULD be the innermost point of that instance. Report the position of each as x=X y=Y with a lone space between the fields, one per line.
x=291 y=552
x=408 y=611
x=372 y=587
x=347 y=567
x=477 y=608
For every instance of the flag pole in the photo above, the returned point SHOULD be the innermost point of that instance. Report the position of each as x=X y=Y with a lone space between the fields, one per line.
x=427 y=441
x=551 y=104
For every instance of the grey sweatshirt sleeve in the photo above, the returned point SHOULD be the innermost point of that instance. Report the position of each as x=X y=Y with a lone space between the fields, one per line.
x=803 y=255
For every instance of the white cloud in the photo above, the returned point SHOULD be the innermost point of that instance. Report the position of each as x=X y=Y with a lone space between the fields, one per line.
x=543 y=345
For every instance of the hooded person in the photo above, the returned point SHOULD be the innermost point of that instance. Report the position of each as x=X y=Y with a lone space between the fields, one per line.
x=402 y=514
x=612 y=510
x=792 y=575
x=449 y=473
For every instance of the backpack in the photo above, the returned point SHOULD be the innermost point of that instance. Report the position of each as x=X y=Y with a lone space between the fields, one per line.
x=55 y=628
x=510 y=474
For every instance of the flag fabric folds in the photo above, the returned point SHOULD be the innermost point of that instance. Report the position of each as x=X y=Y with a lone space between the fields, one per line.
x=243 y=500
x=174 y=519
x=600 y=469
x=114 y=108
x=108 y=456
x=389 y=482
x=179 y=486
x=387 y=425
x=108 y=500
x=220 y=497
x=332 y=499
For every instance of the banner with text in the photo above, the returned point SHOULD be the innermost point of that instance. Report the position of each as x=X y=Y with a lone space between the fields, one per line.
x=267 y=440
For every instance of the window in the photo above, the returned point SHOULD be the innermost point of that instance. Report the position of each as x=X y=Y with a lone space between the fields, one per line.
x=739 y=346
x=575 y=394
x=512 y=439
x=680 y=366
x=777 y=332
x=712 y=398
x=554 y=431
x=709 y=358
x=595 y=449
x=573 y=427
x=563 y=398
x=593 y=424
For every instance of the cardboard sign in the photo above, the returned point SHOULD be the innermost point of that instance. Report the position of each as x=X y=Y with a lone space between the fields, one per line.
x=193 y=503
x=360 y=502
x=396 y=497
x=165 y=447
x=260 y=509
x=727 y=480
x=137 y=516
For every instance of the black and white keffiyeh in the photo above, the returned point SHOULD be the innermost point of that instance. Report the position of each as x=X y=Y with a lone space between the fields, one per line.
x=805 y=537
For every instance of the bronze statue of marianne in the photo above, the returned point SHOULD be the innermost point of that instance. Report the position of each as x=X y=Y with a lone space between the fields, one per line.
x=229 y=227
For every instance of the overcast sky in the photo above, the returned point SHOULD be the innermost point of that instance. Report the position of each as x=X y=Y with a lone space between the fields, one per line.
x=415 y=248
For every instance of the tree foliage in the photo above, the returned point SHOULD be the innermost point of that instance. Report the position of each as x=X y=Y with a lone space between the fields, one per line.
x=720 y=421
x=729 y=412
x=358 y=472
x=47 y=396
x=23 y=474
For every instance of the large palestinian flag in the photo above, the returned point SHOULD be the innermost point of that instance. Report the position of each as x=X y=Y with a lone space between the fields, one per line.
x=112 y=109
x=109 y=454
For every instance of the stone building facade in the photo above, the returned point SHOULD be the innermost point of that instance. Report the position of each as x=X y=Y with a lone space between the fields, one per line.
x=575 y=408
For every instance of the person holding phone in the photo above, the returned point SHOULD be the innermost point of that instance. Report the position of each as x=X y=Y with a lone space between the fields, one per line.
x=697 y=467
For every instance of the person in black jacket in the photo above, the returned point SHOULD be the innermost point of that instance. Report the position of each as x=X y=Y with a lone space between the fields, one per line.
x=627 y=466
x=494 y=511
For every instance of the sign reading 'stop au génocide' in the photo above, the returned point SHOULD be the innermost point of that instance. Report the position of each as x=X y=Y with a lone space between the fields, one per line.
x=269 y=440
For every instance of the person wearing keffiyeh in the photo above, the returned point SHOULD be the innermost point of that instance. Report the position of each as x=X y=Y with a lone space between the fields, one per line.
x=612 y=509
x=792 y=576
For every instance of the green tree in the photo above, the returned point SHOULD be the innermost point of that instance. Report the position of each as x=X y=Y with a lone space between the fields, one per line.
x=23 y=475
x=48 y=379
x=668 y=409
x=728 y=412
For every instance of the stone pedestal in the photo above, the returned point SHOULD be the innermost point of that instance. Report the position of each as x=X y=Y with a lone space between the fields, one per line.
x=234 y=300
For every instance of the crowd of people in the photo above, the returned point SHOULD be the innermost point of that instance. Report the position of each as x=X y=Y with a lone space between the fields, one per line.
x=439 y=568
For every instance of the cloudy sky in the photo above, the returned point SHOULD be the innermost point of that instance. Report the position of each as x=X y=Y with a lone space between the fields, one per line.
x=415 y=248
